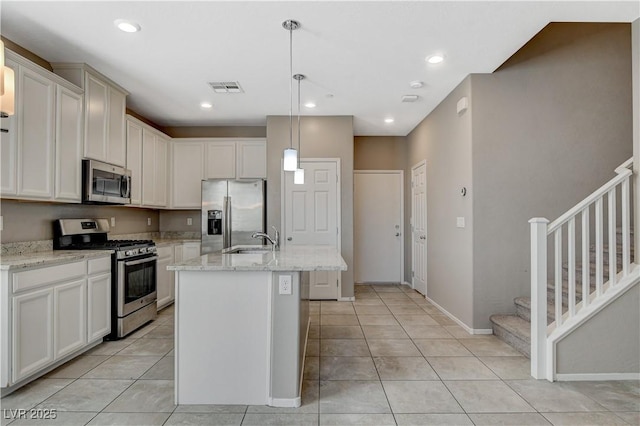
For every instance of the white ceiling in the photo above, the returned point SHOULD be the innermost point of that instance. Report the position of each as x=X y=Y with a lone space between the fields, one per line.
x=363 y=53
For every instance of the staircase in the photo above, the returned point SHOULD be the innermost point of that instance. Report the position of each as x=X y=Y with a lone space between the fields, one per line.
x=580 y=263
x=516 y=329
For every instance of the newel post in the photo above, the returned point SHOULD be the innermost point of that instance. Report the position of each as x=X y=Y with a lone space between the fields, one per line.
x=539 y=227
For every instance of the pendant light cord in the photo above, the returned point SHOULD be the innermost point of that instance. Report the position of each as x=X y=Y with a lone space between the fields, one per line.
x=291 y=87
x=299 y=123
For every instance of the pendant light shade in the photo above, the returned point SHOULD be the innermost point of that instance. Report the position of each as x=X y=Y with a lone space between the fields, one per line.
x=298 y=177
x=290 y=160
x=1 y=68
x=7 y=100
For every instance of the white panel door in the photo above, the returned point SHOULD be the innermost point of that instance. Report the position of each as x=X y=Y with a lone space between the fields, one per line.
x=96 y=104
x=162 y=145
x=378 y=226
x=311 y=218
x=251 y=159
x=116 y=141
x=188 y=171
x=134 y=160
x=148 y=168
x=32 y=334
x=221 y=160
x=99 y=306
x=36 y=144
x=69 y=128
x=419 y=226
x=70 y=317
x=9 y=143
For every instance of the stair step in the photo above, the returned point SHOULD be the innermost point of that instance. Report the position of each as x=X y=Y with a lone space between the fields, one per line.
x=523 y=309
x=514 y=331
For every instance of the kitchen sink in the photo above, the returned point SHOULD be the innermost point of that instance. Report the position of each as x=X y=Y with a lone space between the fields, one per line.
x=249 y=250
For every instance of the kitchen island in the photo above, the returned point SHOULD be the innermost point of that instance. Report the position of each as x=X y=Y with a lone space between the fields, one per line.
x=242 y=321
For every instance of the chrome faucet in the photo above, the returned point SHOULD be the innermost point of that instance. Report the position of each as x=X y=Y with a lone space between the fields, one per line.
x=275 y=241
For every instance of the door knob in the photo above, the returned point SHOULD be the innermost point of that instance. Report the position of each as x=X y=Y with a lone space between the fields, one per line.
x=397 y=234
x=289 y=238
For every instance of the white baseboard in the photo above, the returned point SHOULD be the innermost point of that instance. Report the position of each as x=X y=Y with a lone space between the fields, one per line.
x=596 y=377
x=285 y=402
x=406 y=283
x=347 y=299
x=460 y=323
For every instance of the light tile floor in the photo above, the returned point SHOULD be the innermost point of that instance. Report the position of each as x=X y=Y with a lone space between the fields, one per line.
x=390 y=358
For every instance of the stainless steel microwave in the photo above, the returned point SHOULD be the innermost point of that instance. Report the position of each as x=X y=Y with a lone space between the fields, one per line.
x=104 y=183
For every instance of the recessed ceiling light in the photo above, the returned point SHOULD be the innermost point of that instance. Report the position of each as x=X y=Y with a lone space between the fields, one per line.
x=388 y=120
x=206 y=105
x=416 y=84
x=435 y=59
x=127 y=26
x=310 y=105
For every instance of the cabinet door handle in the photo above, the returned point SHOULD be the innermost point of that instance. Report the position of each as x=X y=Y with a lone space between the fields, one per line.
x=289 y=238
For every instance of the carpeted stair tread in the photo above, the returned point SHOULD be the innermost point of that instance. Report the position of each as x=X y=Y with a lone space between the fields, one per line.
x=513 y=330
x=523 y=309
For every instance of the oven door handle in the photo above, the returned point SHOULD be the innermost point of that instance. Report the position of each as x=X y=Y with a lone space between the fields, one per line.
x=137 y=262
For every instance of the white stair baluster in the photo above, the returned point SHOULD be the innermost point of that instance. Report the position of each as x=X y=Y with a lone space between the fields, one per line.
x=611 y=216
x=571 y=258
x=626 y=259
x=586 y=264
x=599 y=230
x=558 y=275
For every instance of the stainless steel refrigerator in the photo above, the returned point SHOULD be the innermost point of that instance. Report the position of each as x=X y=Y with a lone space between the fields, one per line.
x=232 y=210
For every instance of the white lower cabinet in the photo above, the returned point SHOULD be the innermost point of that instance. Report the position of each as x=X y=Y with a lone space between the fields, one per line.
x=69 y=324
x=165 y=279
x=32 y=333
x=50 y=313
x=98 y=306
x=190 y=250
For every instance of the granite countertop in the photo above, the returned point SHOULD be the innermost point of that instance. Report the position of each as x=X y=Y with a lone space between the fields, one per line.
x=163 y=242
x=292 y=258
x=48 y=258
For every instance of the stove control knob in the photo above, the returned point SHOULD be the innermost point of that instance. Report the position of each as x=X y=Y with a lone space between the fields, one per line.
x=128 y=253
x=143 y=250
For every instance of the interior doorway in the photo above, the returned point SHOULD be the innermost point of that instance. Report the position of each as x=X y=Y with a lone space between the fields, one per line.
x=378 y=226
x=419 y=227
x=311 y=216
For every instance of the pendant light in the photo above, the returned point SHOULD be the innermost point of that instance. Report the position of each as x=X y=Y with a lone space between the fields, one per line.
x=298 y=175
x=290 y=163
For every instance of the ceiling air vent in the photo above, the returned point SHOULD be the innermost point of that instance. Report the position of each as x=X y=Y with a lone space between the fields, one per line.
x=226 y=87
x=409 y=98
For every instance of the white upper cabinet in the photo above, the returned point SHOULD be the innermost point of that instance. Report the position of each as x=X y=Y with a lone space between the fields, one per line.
x=196 y=159
x=251 y=159
x=36 y=112
x=41 y=152
x=69 y=127
x=188 y=161
x=104 y=113
x=221 y=160
x=148 y=159
x=134 y=159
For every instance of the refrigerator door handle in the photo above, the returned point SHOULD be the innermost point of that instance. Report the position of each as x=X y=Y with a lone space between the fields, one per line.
x=227 y=222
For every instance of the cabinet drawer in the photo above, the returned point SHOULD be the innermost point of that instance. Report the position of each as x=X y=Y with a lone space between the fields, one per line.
x=97 y=266
x=37 y=277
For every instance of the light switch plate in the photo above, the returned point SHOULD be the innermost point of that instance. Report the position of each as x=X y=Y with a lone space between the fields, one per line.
x=148 y=221
x=460 y=222
x=189 y=221
x=113 y=222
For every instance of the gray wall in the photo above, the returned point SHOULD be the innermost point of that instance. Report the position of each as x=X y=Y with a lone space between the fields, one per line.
x=606 y=343
x=32 y=221
x=176 y=220
x=379 y=152
x=322 y=137
x=549 y=127
x=443 y=138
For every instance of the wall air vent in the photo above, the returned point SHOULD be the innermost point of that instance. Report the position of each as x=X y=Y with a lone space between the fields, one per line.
x=410 y=98
x=226 y=87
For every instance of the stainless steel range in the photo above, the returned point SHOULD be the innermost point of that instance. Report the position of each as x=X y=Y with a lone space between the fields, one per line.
x=133 y=270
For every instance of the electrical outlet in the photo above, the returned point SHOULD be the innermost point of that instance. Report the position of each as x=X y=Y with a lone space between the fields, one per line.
x=189 y=221
x=1 y=223
x=460 y=222
x=148 y=221
x=285 y=284
x=113 y=222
